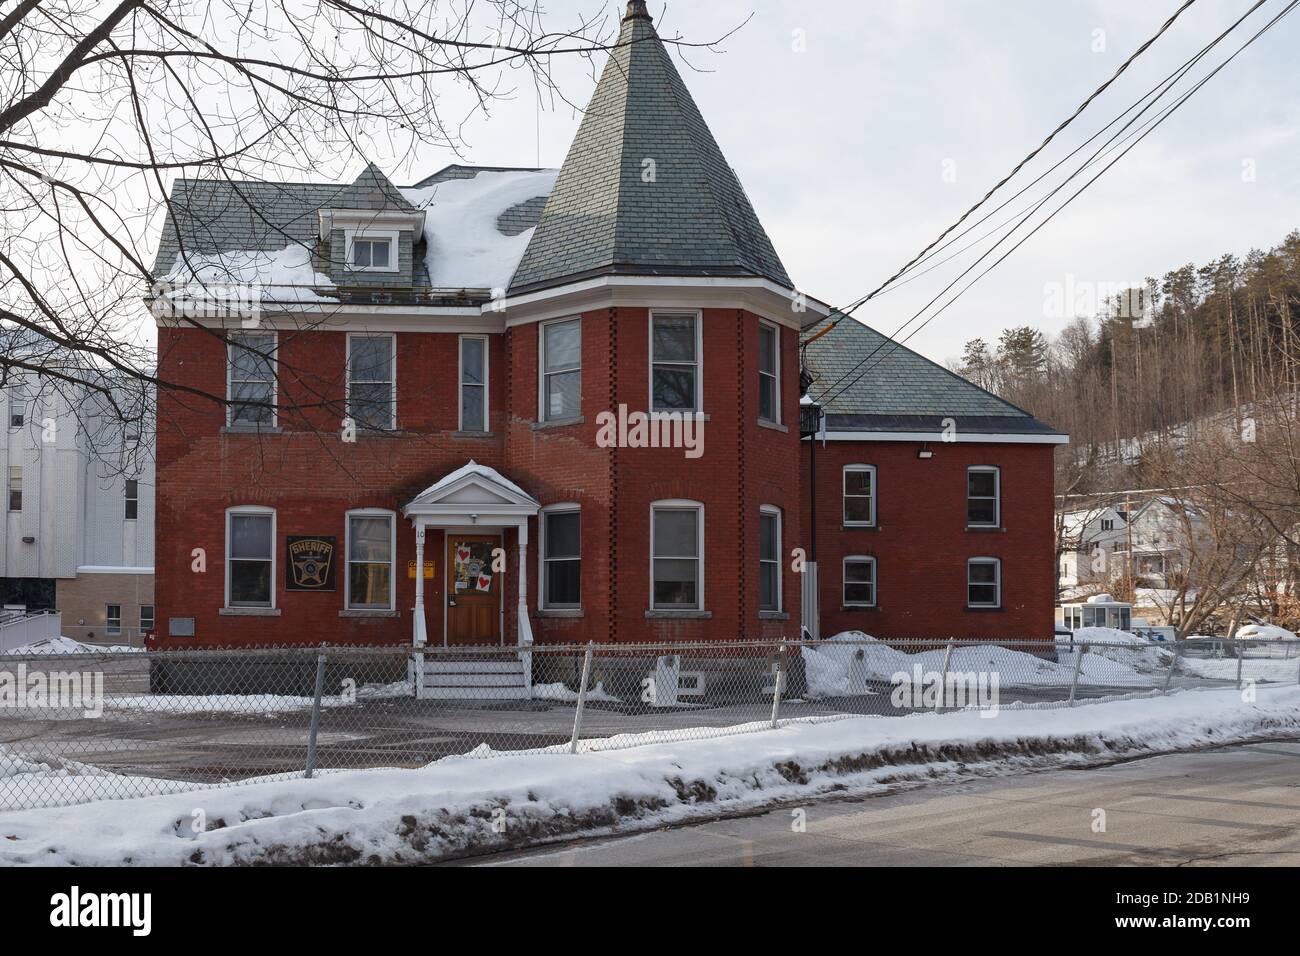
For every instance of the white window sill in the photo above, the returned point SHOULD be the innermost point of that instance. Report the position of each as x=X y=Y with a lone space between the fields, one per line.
x=775 y=426
x=677 y=614
x=773 y=615
x=561 y=612
x=249 y=611
x=559 y=422
x=368 y=612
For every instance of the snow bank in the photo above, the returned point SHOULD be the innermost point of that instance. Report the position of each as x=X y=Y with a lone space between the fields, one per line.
x=455 y=807
x=1266 y=632
x=464 y=249
x=844 y=664
x=561 y=692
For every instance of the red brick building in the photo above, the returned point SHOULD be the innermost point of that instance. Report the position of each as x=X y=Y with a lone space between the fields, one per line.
x=514 y=405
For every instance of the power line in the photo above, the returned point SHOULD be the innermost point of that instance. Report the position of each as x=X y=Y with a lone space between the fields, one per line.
x=854 y=306
x=835 y=389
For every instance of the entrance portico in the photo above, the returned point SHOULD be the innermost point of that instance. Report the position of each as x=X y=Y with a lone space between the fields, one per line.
x=473 y=505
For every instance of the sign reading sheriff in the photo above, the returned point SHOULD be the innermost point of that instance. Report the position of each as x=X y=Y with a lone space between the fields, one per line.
x=311 y=563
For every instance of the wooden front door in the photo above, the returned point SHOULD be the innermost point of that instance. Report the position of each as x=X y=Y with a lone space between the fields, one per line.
x=473 y=590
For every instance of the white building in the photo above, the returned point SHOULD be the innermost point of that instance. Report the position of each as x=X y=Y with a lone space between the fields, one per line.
x=78 y=526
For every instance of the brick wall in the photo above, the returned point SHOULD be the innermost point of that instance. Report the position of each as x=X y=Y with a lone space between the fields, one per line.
x=311 y=477
x=921 y=542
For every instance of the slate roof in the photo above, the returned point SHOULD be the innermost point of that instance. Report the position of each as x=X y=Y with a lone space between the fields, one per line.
x=603 y=217
x=895 y=389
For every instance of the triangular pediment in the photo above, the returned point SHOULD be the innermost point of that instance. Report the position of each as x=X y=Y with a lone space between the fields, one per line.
x=473 y=488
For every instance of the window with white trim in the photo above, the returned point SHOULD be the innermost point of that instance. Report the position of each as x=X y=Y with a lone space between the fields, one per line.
x=146 y=617
x=15 y=487
x=983 y=582
x=983 y=507
x=561 y=367
x=17 y=407
x=132 y=503
x=859 y=581
x=676 y=555
x=860 y=495
x=112 y=618
x=372 y=250
x=250 y=557
x=250 y=379
x=370 y=548
x=769 y=373
x=561 y=557
x=473 y=383
x=372 y=381
x=675 y=362
x=769 y=558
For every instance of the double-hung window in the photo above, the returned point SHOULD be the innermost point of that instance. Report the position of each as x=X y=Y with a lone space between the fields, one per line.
x=250 y=557
x=983 y=505
x=859 y=495
x=113 y=618
x=983 y=582
x=859 y=581
x=769 y=373
x=676 y=555
x=561 y=370
x=473 y=383
x=146 y=617
x=769 y=559
x=562 y=557
x=372 y=381
x=17 y=407
x=370 y=560
x=15 y=487
x=250 y=377
x=132 y=509
x=675 y=362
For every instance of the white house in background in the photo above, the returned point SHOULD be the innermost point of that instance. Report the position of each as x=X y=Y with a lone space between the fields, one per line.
x=1154 y=540
x=78 y=528
x=1089 y=536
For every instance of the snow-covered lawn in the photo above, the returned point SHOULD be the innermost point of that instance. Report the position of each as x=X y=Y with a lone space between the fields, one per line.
x=460 y=805
x=845 y=663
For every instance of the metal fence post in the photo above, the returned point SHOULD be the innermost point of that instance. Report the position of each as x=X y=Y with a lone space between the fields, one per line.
x=1173 y=664
x=1241 y=659
x=315 y=714
x=779 y=685
x=582 y=698
x=1078 y=666
x=943 y=680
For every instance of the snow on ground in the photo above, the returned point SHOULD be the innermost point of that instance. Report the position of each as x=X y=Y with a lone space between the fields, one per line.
x=561 y=692
x=843 y=664
x=1266 y=632
x=464 y=805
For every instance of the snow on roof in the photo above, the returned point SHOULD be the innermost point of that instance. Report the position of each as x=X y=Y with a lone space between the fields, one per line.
x=464 y=246
x=281 y=273
x=473 y=468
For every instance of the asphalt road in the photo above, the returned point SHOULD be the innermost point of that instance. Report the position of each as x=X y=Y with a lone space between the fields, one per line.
x=1238 y=805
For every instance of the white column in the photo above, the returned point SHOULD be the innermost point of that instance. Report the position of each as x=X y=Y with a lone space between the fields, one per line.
x=420 y=635
x=525 y=629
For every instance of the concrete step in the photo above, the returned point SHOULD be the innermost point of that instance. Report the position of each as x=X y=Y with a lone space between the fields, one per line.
x=474 y=680
x=499 y=666
x=475 y=693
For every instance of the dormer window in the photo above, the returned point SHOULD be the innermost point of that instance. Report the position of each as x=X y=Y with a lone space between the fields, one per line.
x=372 y=251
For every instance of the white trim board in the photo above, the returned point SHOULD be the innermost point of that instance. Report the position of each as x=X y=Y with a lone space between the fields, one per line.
x=960 y=438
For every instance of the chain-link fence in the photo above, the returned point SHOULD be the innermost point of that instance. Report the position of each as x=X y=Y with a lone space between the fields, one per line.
x=89 y=726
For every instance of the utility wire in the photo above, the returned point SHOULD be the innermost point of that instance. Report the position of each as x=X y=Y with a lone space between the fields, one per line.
x=835 y=389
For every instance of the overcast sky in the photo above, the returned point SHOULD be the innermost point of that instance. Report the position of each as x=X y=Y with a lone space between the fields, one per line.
x=842 y=117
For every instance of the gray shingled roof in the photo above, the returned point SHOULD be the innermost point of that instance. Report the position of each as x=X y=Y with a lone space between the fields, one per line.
x=875 y=384
x=603 y=217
